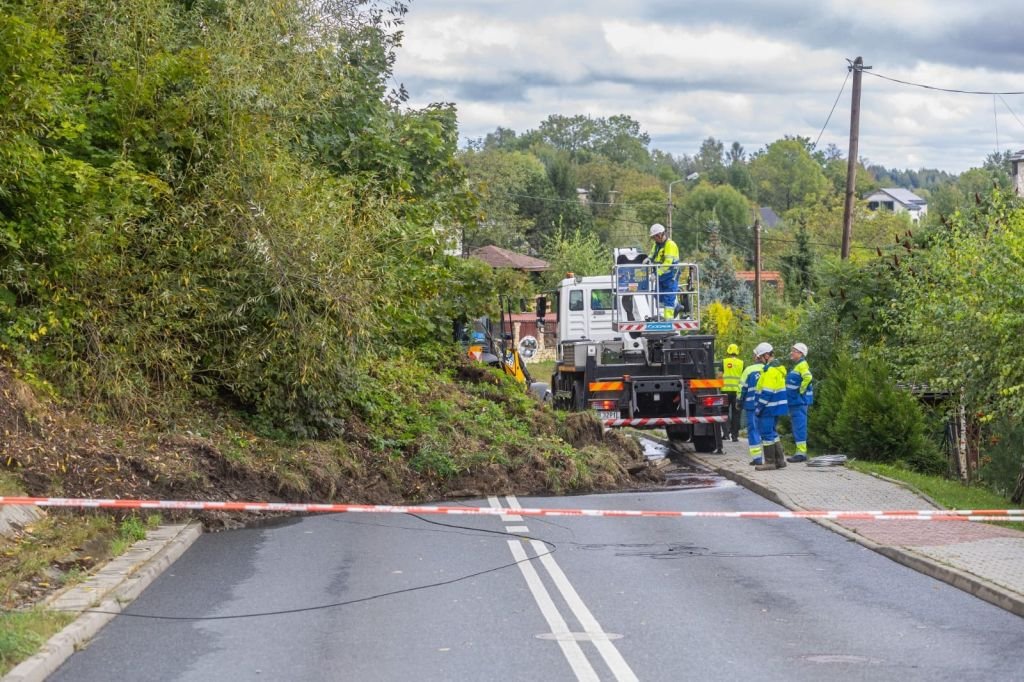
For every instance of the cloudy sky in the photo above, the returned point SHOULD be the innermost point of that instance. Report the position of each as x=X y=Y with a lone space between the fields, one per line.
x=738 y=70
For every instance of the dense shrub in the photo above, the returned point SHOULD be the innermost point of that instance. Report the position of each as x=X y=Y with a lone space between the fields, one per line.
x=829 y=389
x=220 y=200
x=1002 y=454
x=878 y=422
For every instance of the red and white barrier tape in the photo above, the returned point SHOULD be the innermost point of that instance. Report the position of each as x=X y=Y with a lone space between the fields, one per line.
x=664 y=421
x=900 y=514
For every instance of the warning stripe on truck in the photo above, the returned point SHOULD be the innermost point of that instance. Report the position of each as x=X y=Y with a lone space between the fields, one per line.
x=667 y=326
x=665 y=421
x=707 y=383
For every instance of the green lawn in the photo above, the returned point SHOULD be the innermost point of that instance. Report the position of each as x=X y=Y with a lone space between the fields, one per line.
x=949 y=494
x=541 y=371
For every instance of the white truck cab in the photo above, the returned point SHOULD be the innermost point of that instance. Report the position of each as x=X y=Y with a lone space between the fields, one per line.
x=631 y=350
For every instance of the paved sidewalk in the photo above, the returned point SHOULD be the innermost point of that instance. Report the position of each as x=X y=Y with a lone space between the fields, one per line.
x=980 y=558
x=100 y=598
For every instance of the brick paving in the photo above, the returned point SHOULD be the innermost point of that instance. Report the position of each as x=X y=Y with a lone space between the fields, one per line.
x=986 y=560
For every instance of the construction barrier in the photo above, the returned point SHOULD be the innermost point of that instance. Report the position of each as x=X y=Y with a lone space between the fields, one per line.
x=664 y=421
x=311 y=508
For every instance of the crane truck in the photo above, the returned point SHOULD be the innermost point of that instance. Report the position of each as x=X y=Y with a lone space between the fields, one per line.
x=634 y=354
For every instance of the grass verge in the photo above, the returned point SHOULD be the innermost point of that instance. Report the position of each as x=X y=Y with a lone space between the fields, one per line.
x=22 y=633
x=948 y=493
x=58 y=551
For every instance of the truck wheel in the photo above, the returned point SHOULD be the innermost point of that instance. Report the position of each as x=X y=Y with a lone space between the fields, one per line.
x=704 y=443
x=678 y=433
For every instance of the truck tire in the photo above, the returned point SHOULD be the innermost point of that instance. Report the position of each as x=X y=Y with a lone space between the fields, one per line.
x=678 y=433
x=704 y=443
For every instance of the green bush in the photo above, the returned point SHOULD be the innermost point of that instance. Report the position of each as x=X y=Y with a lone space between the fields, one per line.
x=1002 y=452
x=829 y=389
x=878 y=422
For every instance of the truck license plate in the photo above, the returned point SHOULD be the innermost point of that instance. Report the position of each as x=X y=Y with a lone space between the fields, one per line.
x=607 y=414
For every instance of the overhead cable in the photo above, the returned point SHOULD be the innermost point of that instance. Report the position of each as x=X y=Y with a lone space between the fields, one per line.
x=833 y=109
x=935 y=87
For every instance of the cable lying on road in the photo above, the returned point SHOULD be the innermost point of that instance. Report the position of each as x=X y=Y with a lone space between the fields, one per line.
x=309 y=508
x=827 y=461
x=552 y=548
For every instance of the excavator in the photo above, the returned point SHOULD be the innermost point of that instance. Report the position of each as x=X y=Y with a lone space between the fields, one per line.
x=499 y=349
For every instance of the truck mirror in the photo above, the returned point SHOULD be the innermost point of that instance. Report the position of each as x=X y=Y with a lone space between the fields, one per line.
x=542 y=307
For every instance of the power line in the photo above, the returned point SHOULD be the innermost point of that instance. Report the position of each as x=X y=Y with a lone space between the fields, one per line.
x=748 y=249
x=935 y=87
x=581 y=203
x=833 y=108
x=1012 y=112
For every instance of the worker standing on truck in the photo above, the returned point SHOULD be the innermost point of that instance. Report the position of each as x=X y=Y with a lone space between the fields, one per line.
x=799 y=395
x=748 y=398
x=732 y=370
x=665 y=254
x=771 y=404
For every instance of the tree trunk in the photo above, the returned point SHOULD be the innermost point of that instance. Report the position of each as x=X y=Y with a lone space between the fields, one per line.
x=1018 y=490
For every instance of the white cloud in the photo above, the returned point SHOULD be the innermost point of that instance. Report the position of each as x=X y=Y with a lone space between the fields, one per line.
x=733 y=69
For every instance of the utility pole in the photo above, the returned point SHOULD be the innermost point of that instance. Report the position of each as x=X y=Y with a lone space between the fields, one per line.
x=757 y=269
x=669 y=226
x=851 y=163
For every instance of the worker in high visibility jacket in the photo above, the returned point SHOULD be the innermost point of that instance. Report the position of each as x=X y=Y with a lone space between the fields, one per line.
x=771 y=404
x=732 y=371
x=799 y=396
x=748 y=398
x=665 y=254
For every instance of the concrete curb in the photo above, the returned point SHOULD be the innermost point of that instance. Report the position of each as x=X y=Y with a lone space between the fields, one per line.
x=104 y=595
x=972 y=584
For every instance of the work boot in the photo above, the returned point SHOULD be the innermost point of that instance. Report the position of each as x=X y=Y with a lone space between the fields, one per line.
x=780 y=455
x=756 y=460
x=769 y=460
x=798 y=457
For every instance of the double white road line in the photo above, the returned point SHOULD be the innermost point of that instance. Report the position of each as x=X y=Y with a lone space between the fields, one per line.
x=567 y=639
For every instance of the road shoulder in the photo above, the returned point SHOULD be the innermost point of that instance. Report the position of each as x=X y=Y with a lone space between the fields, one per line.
x=104 y=595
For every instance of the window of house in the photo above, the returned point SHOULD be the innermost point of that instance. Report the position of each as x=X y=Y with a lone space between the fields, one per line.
x=576 y=300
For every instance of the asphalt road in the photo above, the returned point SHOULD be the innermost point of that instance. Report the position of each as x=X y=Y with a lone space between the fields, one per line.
x=389 y=597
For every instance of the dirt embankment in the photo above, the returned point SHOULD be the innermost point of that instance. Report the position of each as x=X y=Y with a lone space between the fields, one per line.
x=53 y=451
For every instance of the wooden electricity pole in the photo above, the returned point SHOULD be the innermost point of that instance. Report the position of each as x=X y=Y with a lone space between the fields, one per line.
x=851 y=162
x=757 y=269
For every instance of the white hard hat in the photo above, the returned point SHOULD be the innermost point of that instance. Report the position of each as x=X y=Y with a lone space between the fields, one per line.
x=762 y=348
x=801 y=348
x=657 y=228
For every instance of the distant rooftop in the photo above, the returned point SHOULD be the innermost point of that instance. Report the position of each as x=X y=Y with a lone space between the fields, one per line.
x=769 y=218
x=497 y=257
x=904 y=196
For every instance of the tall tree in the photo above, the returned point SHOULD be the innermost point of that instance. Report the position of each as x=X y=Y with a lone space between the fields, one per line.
x=786 y=175
x=718 y=276
x=721 y=205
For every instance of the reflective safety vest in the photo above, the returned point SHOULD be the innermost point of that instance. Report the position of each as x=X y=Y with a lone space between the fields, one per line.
x=748 y=395
x=665 y=255
x=732 y=370
x=771 y=390
x=799 y=386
